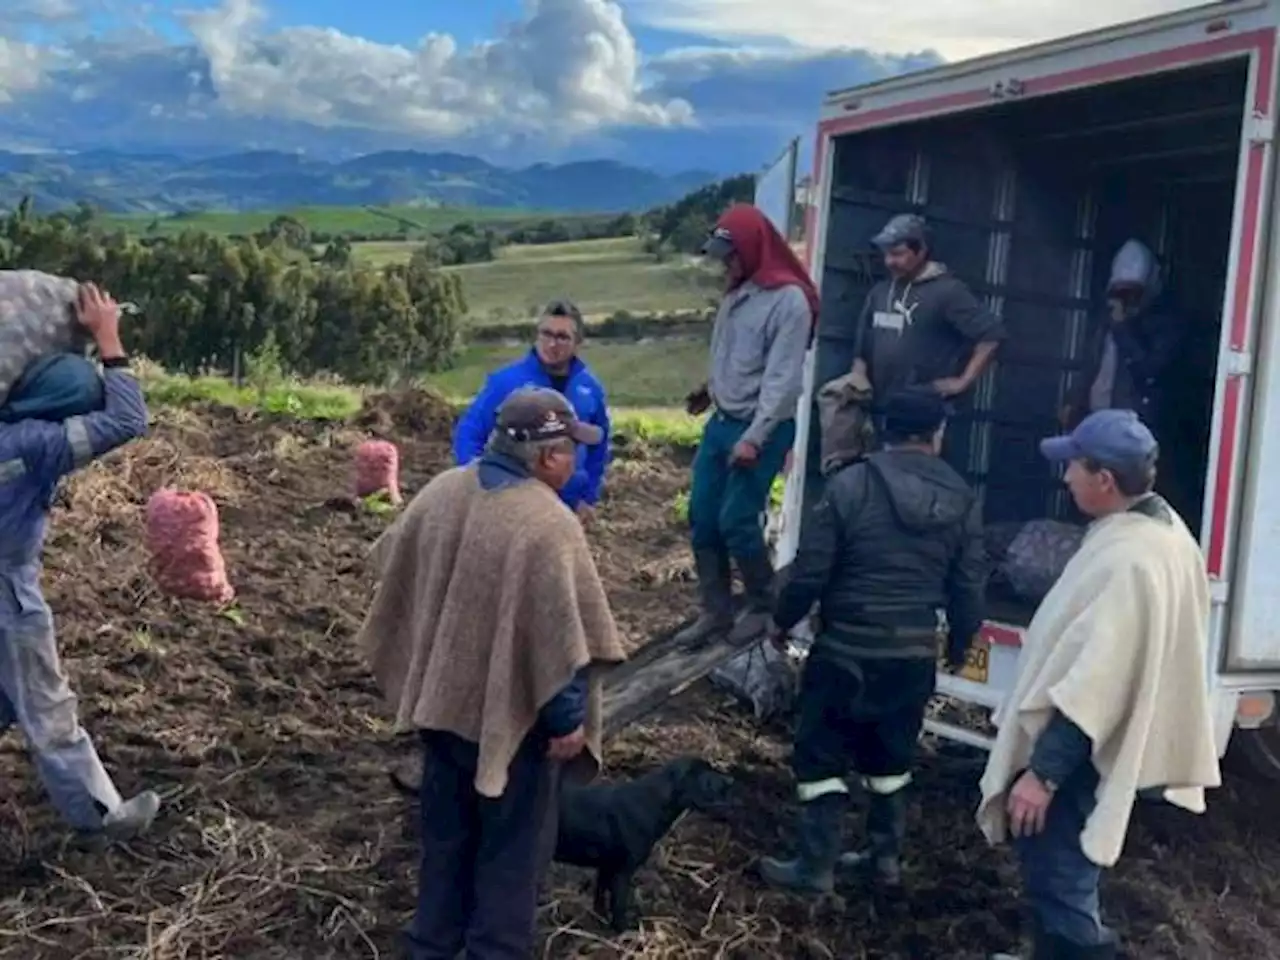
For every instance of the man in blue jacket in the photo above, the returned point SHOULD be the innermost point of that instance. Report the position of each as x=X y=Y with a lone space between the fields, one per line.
x=553 y=362
x=60 y=416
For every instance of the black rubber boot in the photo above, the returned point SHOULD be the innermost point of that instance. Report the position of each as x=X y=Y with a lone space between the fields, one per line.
x=755 y=621
x=881 y=859
x=715 y=589
x=812 y=870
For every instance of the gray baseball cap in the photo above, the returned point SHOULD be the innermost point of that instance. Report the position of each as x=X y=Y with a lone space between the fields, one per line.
x=904 y=228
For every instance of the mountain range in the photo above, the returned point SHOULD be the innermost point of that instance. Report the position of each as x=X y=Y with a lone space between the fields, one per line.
x=116 y=182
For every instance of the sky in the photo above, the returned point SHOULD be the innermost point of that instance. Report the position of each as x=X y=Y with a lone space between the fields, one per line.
x=671 y=84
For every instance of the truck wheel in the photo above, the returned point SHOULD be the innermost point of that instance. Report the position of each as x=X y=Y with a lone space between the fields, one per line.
x=1258 y=751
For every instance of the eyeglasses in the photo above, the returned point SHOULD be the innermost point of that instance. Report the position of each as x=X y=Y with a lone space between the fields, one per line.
x=555 y=336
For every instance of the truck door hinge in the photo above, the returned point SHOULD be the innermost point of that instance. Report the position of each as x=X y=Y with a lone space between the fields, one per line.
x=1260 y=129
x=1239 y=363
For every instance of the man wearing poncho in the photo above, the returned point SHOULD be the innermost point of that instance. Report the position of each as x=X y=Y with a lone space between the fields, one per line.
x=1112 y=697
x=488 y=619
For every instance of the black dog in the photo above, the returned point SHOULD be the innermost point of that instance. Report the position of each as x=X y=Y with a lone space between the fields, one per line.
x=613 y=827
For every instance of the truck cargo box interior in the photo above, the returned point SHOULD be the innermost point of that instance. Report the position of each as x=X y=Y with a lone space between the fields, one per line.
x=1028 y=202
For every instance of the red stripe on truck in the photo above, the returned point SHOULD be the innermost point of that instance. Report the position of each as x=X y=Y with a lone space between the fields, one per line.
x=1262 y=41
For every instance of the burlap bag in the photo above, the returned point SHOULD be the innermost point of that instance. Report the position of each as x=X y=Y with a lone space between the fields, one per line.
x=844 y=411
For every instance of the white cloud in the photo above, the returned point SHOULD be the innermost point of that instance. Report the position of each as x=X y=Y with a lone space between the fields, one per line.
x=326 y=78
x=41 y=11
x=22 y=67
x=955 y=28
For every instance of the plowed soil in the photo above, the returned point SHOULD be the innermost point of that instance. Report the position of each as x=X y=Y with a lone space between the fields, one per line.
x=282 y=838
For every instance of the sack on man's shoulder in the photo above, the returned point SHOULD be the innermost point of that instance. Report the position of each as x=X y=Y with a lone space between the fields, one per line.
x=37 y=318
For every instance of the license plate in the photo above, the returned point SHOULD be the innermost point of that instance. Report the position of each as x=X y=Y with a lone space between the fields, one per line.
x=977 y=661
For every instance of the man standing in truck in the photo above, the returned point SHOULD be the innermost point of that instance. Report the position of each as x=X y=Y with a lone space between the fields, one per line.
x=1112 y=697
x=1130 y=356
x=922 y=325
x=1132 y=348
x=894 y=556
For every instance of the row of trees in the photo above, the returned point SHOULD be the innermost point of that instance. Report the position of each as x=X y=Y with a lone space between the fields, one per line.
x=208 y=301
x=683 y=226
x=517 y=231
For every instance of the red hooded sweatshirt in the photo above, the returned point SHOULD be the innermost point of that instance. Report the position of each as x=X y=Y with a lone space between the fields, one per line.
x=767 y=258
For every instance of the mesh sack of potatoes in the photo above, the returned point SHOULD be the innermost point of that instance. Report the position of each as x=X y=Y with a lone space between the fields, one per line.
x=182 y=538
x=377 y=470
x=37 y=317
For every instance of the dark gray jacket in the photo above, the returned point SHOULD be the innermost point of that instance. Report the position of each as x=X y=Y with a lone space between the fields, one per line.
x=896 y=537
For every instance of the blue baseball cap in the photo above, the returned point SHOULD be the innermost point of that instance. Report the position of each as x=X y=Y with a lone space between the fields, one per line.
x=1110 y=438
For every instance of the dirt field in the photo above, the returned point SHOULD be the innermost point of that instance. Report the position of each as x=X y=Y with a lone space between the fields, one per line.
x=282 y=838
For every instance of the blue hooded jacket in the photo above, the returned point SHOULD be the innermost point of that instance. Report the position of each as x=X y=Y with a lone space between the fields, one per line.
x=583 y=391
x=36 y=452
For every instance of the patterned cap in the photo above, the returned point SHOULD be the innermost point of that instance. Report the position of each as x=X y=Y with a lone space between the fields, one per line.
x=539 y=413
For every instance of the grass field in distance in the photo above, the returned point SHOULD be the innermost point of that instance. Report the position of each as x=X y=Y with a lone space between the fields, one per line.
x=330 y=220
x=601 y=276
x=660 y=423
x=653 y=373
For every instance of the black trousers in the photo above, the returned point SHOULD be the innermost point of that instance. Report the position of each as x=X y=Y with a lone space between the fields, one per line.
x=483 y=859
x=865 y=713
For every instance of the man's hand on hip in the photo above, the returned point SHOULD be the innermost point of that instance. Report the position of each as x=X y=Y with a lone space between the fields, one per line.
x=949 y=387
x=562 y=749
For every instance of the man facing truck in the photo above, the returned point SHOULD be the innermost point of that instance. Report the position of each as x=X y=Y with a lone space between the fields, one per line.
x=1112 y=700
x=922 y=325
x=893 y=555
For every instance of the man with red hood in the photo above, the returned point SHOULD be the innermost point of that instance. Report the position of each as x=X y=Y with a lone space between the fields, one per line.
x=758 y=343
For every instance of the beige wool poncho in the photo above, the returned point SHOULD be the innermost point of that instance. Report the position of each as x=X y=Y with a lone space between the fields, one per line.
x=1120 y=647
x=488 y=603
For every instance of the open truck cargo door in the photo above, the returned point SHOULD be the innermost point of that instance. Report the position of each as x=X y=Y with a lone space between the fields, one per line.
x=1032 y=167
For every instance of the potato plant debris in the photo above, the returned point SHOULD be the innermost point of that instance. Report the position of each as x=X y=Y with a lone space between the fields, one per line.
x=282 y=838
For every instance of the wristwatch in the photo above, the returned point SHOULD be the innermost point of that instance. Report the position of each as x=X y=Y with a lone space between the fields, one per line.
x=1048 y=784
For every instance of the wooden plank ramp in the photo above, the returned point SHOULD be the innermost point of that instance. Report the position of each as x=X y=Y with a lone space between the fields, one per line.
x=659 y=671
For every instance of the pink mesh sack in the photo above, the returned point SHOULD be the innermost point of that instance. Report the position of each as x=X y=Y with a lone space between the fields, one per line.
x=182 y=537
x=378 y=469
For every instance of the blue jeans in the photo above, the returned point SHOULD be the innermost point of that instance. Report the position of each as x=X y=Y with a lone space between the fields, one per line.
x=35 y=695
x=1060 y=884
x=726 y=502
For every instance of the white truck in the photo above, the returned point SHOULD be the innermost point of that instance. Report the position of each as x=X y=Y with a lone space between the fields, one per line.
x=1032 y=167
